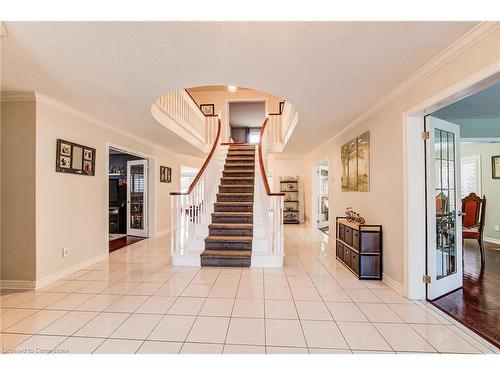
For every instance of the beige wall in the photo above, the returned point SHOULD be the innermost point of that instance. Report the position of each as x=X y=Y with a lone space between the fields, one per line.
x=490 y=187
x=384 y=203
x=220 y=99
x=71 y=210
x=18 y=191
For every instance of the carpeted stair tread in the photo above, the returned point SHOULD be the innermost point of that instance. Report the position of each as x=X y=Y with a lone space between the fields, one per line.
x=229 y=239
x=227 y=253
x=235 y=203
x=233 y=213
x=231 y=225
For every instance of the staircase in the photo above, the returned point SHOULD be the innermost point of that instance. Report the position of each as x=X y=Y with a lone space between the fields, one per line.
x=230 y=234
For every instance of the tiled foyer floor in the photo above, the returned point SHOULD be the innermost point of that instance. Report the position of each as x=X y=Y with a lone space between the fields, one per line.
x=137 y=302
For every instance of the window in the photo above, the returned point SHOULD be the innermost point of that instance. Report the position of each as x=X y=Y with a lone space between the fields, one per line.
x=254 y=135
x=471 y=175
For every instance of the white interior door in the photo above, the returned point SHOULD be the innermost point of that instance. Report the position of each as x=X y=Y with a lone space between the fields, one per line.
x=323 y=196
x=444 y=217
x=137 y=198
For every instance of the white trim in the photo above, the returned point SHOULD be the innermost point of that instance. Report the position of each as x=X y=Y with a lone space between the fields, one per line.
x=414 y=174
x=480 y=140
x=492 y=240
x=393 y=284
x=24 y=96
x=33 y=285
x=17 y=285
x=70 y=270
x=466 y=41
x=152 y=191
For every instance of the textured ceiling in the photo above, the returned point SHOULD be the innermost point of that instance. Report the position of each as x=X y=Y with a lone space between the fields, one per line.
x=482 y=105
x=331 y=71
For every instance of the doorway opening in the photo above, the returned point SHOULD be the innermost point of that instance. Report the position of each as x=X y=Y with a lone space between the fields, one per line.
x=463 y=210
x=188 y=174
x=245 y=120
x=128 y=198
x=320 y=197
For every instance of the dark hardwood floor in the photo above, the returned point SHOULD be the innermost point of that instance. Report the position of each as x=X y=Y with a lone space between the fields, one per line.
x=477 y=304
x=122 y=242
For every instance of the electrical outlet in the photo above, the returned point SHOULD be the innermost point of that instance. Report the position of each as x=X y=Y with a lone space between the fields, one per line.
x=497 y=228
x=66 y=251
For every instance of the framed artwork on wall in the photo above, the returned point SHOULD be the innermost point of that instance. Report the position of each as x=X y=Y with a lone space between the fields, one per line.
x=75 y=158
x=207 y=109
x=355 y=158
x=165 y=174
x=495 y=166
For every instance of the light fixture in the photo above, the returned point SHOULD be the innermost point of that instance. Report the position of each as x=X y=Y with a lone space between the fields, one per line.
x=231 y=88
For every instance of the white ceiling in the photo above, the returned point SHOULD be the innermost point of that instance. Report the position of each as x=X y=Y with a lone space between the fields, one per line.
x=247 y=114
x=330 y=71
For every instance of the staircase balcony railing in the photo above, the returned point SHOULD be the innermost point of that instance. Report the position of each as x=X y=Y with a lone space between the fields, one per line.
x=281 y=126
x=271 y=203
x=194 y=206
x=178 y=112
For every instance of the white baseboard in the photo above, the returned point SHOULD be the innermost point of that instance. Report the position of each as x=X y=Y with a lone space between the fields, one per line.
x=17 y=284
x=393 y=284
x=492 y=240
x=68 y=271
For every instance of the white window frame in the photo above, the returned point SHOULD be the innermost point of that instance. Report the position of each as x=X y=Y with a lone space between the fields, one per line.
x=476 y=160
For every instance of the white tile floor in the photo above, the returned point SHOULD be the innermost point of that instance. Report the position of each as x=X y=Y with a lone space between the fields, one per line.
x=137 y=302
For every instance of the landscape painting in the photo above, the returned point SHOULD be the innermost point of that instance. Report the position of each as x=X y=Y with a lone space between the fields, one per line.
x=355 y=157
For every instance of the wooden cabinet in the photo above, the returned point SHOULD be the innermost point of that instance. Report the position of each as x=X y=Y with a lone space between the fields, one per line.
x=359 y=247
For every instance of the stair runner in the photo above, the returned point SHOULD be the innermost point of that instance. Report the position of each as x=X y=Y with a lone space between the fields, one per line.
x=229 y=241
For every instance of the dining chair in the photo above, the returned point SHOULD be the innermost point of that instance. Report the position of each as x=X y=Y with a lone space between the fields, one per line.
x=474 y=210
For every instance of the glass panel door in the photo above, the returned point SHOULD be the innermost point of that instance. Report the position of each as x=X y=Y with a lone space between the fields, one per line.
x=444 y=221
x=137 y=198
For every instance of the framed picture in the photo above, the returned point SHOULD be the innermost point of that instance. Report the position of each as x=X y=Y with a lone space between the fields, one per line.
x=207 y=109
x=65 y=149
x=355 y=159
x=282 y=105
x=74 y=158
x=88 y=154
x=165 y=174
x=495 y=166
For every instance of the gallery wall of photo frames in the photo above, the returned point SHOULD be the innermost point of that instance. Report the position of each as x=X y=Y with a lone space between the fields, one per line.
x=75 y=158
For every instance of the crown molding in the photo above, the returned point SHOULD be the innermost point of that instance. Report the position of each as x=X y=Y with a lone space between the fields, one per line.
x=17 y=96
x=34 y=96
x=466 y=41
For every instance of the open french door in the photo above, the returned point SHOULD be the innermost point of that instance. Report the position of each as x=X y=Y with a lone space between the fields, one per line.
x=137 y=198
x=444 y=216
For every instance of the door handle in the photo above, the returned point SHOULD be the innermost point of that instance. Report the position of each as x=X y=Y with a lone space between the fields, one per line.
x=460 y=213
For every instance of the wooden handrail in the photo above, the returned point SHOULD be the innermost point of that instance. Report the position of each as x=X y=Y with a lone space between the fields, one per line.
x=261 y=162
x=196 y=104
x=209 y=157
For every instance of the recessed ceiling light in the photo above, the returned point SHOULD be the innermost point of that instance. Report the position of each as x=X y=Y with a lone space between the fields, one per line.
x=231 y=88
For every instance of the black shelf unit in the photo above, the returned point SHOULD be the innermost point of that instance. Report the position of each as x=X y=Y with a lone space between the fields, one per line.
x=359 y=247
x=291 y=206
